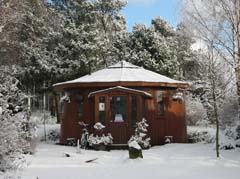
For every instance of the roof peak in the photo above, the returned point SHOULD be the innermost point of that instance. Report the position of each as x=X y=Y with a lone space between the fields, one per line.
x=123 y=64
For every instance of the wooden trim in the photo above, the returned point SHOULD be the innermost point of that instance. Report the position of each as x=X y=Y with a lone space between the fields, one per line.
x=120 y=89
x=96 y=101
x=62 y=87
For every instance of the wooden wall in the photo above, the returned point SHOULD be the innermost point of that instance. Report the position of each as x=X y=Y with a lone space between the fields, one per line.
x=172 y=123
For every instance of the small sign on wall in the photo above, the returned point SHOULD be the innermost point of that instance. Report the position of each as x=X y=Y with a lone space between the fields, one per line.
x=101 y=106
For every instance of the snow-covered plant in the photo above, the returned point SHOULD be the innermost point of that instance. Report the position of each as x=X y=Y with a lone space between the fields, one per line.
x=53 y=135
x=196 y=114
x=99 y=126
x=65 y=98
x=100 y=138
x=200 y=134
x=178 y=96
x=14 y=127
x=140 y=135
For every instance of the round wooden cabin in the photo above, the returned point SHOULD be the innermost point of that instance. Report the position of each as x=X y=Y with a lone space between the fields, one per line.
x=119 y=96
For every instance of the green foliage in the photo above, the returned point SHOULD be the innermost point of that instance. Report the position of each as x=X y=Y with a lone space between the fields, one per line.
x=155 y=47
x=64 y=40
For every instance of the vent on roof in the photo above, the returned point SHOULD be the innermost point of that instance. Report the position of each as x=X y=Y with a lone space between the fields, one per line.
x=122 y=64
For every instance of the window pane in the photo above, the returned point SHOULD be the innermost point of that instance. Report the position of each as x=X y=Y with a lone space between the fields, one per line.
x=118 y=108
x=79 y=99
x=160 y=103
x=134 y=111
x=102 y=109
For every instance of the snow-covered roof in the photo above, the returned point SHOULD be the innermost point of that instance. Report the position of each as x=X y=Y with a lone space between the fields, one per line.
x=122 y=72
x=120 y=88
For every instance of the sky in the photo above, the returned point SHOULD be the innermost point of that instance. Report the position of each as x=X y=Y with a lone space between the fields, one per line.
x=143 y=11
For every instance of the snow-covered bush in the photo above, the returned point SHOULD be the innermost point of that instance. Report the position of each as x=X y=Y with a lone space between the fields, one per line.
x=14 y=127
x=238 y=132
x=196 y=114
x=98 y=126
x=39 y=117
x=140 y=135
x=100 y=140
x=201 y=134
x=53 y=135
x=228 y=113
x=228 y=137
x=237 y=143
x=52 y=132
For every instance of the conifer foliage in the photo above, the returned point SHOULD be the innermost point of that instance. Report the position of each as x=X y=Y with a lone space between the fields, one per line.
x=140 y=135
x=14 y=135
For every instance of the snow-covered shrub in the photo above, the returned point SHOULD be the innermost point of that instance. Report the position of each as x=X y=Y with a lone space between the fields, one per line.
x=227 y=145
x=201 y=134
x=227 y=137
x=100 y=140
x=52 y=132
x=237 y=143
x=14 y=127
x=238 y=132
x=228 y=113
x=53 y=135
x=140 y=135
x=196 y=114
x=39 y=117
x=230 y=138
x=178 y=97
x=98 y=126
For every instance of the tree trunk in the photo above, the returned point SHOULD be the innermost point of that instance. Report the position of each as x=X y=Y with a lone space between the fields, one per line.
x=215 y=112
x=237 y=55
x=56 y=107
x=237 y=71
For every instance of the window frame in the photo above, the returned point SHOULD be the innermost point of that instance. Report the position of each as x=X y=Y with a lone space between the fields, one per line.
x=160 y=100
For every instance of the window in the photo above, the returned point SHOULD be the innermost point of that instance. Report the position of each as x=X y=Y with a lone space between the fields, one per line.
x=80 y=100
x=134 y=111
x=118 y=108
x=102 y=109
x=160 y=103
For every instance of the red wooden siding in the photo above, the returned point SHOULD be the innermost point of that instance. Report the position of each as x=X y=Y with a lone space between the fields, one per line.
x=172 y=123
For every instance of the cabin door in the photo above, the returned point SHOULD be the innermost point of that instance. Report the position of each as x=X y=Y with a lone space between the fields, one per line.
x=118 y=119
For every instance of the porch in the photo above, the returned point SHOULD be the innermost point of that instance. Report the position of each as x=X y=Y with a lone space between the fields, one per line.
x=119 y=109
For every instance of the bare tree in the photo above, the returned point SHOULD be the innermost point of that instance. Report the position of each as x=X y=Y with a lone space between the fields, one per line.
x=218 y=20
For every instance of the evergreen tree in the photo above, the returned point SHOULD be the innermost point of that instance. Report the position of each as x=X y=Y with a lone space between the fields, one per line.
x=14 y=128
x=154 y=48
x=140 y=135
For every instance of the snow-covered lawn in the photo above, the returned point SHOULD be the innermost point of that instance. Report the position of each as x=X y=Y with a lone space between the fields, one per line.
x=181 y=161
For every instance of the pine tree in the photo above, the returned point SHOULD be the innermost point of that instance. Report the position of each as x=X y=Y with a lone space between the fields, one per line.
x=154 y=47
x=140 y=135
x=14 y=128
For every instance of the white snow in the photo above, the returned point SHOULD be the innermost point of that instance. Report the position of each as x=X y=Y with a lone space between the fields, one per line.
x=122 y=72
x=134 y=145
x=120 y=88
x=98 y=126
x=40 y=133
x=180 y=161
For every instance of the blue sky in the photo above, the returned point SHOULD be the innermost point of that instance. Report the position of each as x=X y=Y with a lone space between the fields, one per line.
x=142 y=11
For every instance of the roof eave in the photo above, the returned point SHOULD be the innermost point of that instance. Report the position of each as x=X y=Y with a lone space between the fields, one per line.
x=64 y=86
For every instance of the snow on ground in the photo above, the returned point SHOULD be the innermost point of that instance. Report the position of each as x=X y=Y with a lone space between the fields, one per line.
x=169 y=161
